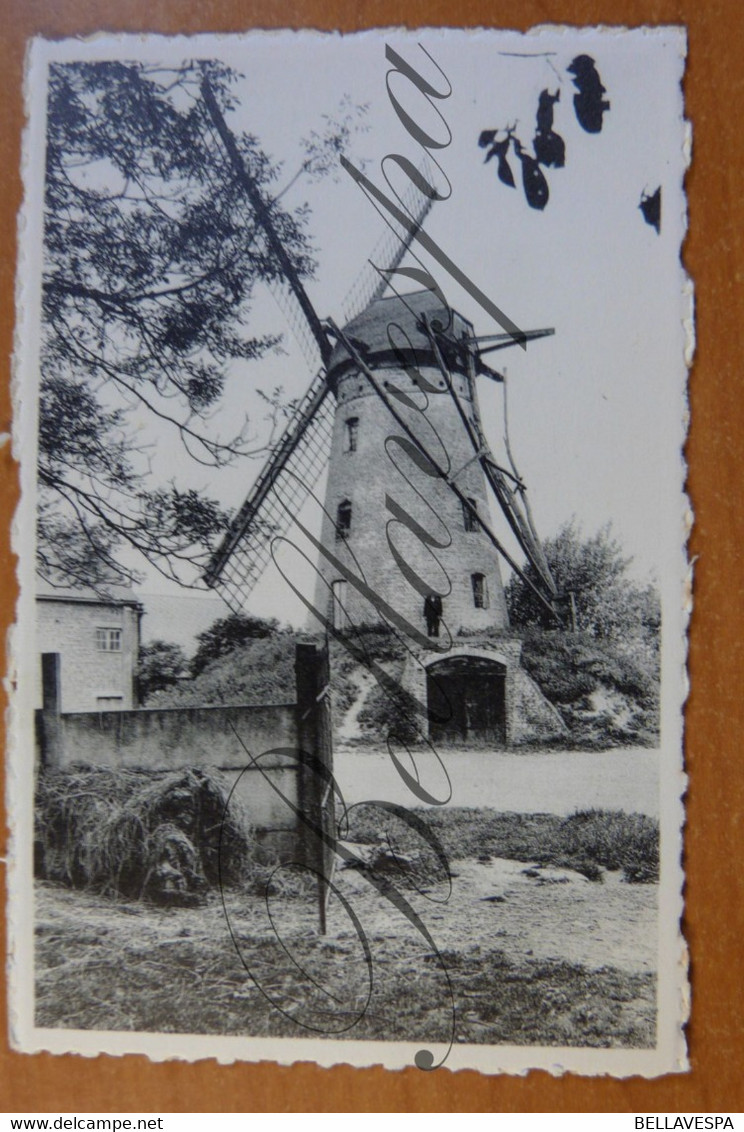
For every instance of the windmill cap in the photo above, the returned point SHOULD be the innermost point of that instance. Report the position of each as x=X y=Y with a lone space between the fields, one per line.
x=393 y=326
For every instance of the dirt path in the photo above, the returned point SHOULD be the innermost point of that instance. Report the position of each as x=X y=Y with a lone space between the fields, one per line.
x=523 y=910
x=550 y=782
x=521 y=954
x=364 y=682
x=516 y=907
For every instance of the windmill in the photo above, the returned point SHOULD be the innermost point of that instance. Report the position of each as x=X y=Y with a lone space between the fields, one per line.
x=437 y=569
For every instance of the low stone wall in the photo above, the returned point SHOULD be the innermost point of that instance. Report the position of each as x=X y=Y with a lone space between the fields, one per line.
x=264 y=751
x=172 y=737
x=169 y=738
x=267 y=796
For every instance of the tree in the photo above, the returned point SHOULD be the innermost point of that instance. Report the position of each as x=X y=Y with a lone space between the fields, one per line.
x=160 y=664
x=227 y=634
x=608 y=603
x=151 y=254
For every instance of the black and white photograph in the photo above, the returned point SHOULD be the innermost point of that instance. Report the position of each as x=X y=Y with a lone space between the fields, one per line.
x=350 y=403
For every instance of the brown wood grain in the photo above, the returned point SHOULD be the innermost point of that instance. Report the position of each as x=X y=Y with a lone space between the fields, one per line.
x=714 y=920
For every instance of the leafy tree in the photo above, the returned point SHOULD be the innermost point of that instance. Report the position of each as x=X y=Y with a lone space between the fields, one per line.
x=228 y=634
x=151 y=254
x=608 y=603
x=159 y=666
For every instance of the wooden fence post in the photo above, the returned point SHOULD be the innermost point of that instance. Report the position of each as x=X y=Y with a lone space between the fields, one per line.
x=315 y=799
x=306 y=682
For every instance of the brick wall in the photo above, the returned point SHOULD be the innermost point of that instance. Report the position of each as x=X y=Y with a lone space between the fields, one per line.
x=534 y=718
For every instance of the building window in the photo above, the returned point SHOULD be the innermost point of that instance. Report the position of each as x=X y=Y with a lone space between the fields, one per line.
x=469 y=515
x=352 y=434
x=343 y=520
x=108 y=640
x=480 y=591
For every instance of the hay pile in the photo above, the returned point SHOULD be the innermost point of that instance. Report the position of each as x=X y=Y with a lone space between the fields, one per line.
x=166 y=837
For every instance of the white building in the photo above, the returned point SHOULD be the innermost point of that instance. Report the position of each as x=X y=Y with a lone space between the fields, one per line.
x=97 y=636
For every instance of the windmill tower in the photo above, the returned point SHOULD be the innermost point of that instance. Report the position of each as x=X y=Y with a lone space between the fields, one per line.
x=407 y=538
x=414 y=537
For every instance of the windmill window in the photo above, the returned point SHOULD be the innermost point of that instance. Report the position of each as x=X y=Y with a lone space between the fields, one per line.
x=480 y=591
x=470 y=515
x=352 y=434
x=343 y=520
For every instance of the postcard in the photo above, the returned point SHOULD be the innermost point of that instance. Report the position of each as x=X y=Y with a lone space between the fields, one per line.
x=349 y=665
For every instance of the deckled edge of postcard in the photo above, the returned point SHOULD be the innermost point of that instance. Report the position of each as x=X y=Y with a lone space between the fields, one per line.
x=670 y=1054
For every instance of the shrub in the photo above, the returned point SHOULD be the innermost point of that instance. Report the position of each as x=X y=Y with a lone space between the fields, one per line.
x=367 y=643
x=616 y=841
x=343 y=686
x=608 y=604
x=392 y=711
x=261 y=671
x=228 y=634
x=160 y=665
x=570 y=668
x=588 y=841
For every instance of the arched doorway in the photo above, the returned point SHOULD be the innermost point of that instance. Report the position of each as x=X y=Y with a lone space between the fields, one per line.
x=466 y=700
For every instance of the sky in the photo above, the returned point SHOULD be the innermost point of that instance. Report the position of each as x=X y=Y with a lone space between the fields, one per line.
x=596 y=412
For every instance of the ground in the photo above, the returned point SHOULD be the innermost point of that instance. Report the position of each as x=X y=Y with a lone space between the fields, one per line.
x=524 y=947
x=554 y=782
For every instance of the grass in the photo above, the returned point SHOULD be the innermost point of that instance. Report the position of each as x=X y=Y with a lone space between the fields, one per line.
x=130 y=967
x=157 y=835
x=588 y=841
x=129 y=964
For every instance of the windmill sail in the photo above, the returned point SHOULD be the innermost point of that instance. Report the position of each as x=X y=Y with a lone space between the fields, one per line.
x=285 y=299
x=299 y=458
x=519 y=522
x=304 y=449
x=508 y=497
x=262 y=213
x=373 y=280
x=276 y=498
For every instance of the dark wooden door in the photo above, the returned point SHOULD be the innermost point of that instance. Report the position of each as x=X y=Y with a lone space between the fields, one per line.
x=466 y=700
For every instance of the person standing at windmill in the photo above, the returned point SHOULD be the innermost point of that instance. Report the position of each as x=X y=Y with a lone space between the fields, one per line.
x=432 y=613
